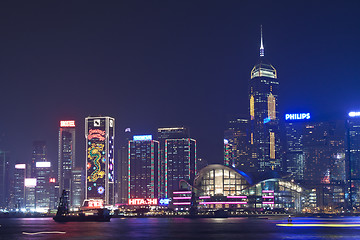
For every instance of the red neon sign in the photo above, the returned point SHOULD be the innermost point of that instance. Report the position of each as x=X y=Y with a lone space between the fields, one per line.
x=95 y=203
x=96 y=133
x=67 y=123
x=143 y=201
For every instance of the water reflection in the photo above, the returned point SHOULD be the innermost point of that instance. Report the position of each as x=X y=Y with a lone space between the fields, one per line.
x=182 y=228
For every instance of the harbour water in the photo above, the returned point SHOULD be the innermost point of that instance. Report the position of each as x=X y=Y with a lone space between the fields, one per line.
x=183 y=228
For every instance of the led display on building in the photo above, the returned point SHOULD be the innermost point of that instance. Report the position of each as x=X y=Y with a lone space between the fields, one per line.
x=100 y=159
x=96 y=163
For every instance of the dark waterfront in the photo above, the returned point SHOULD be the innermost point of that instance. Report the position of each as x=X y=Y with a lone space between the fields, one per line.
x=182 y=228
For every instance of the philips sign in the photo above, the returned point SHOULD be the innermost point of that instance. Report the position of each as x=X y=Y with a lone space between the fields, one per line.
x=297 y=116
x=354 y=114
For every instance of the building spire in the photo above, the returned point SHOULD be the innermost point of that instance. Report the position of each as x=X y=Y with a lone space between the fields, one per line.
x=261 y=43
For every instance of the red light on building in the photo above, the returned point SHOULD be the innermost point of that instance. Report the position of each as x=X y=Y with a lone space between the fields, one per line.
x=52 y=180
x=95 y=204
x=67 y=123
x=143 y=201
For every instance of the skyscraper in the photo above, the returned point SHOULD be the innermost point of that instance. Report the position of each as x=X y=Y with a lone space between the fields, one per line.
x=180 y=163
x=353 y=159
x=45 y=186
x=39 y=155
x=294 y=156
x=77 y=187
x=19 y=186
x=323 y=146
x=237 y=134
x=143 y=168
x=163 y=134
x=264 y=115
x=66 y=158
x=4 y=179
x=99 y=134
x=122 y=167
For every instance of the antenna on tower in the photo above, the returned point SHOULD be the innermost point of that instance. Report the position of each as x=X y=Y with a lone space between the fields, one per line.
x=261 y=43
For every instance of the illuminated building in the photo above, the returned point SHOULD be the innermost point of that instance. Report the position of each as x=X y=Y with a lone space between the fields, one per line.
x=323 y=146
x=180 y=163
x=237 y=134
x=264 y=116
x=4 y=179
x=77 y=187
x=163 y=134
x=66 y=157
x=99 y=134
x=143 y=167
x=324 y=156
x=294 y=157
x=221 y=187
x=38 y=155
x=30 y=185
x=19 y=186
x=353 y=159
x=45 y=186
x=122 y=168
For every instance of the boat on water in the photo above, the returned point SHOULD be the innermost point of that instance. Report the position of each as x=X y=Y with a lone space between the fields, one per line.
x=91 y=211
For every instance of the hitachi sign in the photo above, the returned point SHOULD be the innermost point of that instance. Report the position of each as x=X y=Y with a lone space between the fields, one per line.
x=297 y=116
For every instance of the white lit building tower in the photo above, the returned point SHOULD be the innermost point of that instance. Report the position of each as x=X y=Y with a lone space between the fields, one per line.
x=99 y=134
x=264 y=115
x=66 y=158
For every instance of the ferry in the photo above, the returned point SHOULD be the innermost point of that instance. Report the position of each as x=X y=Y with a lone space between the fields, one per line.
x=91 y=211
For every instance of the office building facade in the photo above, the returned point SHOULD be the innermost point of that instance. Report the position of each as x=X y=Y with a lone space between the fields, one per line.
x=353 y=159
x=99 y=134
x=66 y=156
x=180 y=163
x=143 y=167
x=264 y=116
x=175 y=132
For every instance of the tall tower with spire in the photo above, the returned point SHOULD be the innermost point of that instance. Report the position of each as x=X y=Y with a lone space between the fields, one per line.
x=264 y=115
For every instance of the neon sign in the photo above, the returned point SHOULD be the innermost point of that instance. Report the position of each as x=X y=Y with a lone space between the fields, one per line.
x=67 y=123
x=95 y=153
x=164 y=201
x=96 y=133
x=297 y=116
x=142 y=138
x=52 y=180
x=95 y=203
x=143 y=201
x=354 y=114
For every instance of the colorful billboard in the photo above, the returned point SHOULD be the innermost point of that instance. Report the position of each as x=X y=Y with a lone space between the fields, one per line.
x=96 y=162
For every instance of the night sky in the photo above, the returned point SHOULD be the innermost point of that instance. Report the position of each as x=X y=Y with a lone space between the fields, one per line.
x=152 y=64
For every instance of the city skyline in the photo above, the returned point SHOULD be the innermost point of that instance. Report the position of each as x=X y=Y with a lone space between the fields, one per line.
x=193 y=65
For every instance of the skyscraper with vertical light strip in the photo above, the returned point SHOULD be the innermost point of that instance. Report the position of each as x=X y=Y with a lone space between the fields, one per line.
x=143 y=167
x=264 y=115
x=99 y=134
